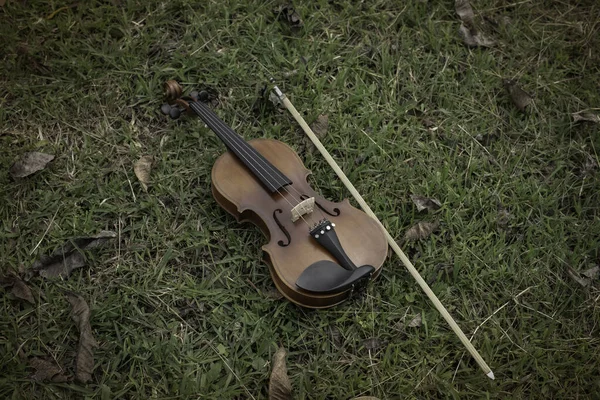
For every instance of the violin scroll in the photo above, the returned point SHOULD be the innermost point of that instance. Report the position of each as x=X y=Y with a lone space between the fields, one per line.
x=173 y=90
x=176 y=104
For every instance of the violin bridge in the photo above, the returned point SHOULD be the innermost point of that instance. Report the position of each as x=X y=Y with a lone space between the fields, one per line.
x=304 y=207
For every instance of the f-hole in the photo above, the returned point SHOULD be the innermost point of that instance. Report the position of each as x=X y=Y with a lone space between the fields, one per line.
x=280 y=225
x=336 y=211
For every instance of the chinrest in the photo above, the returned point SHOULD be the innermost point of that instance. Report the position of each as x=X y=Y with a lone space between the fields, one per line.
x=328 y=277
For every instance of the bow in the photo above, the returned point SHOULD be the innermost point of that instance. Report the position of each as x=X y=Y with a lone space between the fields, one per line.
x=365 y=207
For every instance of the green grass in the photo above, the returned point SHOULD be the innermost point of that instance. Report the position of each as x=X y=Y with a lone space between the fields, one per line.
x=182 y=306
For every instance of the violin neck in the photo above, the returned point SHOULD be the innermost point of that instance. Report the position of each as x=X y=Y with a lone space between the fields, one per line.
x=269 y=176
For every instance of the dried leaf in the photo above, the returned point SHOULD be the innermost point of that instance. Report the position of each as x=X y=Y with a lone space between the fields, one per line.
x=289 y=13
x=421 y=230
x=585 y=116
x=589 y=165
x=465 y=11
x=320 y=125
x=47 y=371
x=280 y=387
x=468 y=30
x=142 y=169
x=21 y=291
x=577 y=278
x=415 y=322
x=69 y=256
x=85 y=349
x=473 y=37
x=425 y=203
x=30 y=163
x=592 y=273
x=2 y=3
x=520 y=98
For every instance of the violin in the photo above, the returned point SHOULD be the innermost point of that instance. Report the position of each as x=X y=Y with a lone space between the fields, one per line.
x=318 y=252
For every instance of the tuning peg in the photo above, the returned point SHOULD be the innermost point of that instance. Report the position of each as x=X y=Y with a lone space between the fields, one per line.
x=174 y=113
x=165 y=109
x=199 y=96
x=203 y=96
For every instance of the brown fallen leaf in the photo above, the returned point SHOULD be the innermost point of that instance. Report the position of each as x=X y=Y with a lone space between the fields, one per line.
x=520 y=98
x=577 y=278
x=69 y=256
x=142 y=169
x=320 y=125
x=592 y=273
x=465 y=11
x=30 y=163
x=280 y=387
x=421 y=230
x=19 y=289
x=2 y=3
x=585 y=116
x=289 y=13
x=85 y=349
x=47 y=371
x=468 y=31
x=589 y=166
x=416 y=321
x=425 y=203
x=472 y=37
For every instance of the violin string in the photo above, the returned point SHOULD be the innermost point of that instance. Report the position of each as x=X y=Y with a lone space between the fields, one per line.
x=224 y=130
x=276 y=171
x=273 y=81
x=240 y=148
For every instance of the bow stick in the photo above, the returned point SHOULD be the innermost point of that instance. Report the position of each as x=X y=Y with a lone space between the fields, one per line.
x=411 y=268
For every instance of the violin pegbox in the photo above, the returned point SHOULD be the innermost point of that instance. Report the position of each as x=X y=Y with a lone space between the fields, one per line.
x=177 y=102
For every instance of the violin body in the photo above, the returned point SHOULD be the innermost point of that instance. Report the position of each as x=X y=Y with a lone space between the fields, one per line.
x=318 y=251
x=238 y=192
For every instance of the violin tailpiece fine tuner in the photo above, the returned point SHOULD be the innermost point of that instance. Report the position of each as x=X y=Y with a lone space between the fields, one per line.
x=318 y=251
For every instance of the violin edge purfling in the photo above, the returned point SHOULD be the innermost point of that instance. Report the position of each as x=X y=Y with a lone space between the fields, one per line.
x=264 y=181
